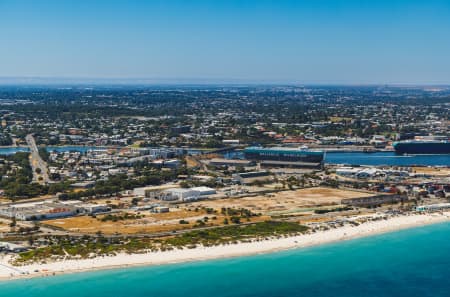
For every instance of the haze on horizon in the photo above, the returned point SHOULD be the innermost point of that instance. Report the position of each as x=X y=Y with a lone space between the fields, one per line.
x=322 y=42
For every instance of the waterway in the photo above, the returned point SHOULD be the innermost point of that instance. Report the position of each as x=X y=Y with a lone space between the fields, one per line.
x=349 y=158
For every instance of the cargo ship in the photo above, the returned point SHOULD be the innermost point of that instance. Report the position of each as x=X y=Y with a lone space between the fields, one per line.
x=423 y=145
x=284 y=156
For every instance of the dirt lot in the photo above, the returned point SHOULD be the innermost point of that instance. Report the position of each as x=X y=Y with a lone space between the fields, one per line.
x=4 y=200
x=151 y=223
x=4 y=227
x=192 y=162
x=432 y=171
x=286 y=201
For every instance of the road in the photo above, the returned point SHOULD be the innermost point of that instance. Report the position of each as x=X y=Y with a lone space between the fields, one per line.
x=37 y=162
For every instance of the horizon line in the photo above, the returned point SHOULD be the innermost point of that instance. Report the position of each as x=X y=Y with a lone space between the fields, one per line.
x=67 y=80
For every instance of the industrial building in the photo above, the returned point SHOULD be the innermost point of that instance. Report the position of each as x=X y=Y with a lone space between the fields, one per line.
x=180 y=194
x=287 y=164
x=370 y=173
x=204 y=191
x=40 y=210
x=95 y=208
x=374 y=200
x=49 y=209
x=160 y=209
x=231 y=141
x=12 y=247
x=251 y=177
x=433 y=207
x=152 y=191
x=230 y=162
x=177 y=194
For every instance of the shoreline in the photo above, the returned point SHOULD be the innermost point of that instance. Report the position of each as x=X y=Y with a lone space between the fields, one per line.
x=123 y=260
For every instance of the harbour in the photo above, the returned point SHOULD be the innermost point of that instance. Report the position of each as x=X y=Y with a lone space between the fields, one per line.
x=382 y=158
x=388 y=158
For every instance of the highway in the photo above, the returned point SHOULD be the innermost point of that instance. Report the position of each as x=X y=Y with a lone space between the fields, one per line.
x=37 y=162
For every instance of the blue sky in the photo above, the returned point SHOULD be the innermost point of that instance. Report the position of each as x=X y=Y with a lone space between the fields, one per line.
x=316 y=41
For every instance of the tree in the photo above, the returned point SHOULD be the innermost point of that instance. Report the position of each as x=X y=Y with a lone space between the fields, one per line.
x=235 y=220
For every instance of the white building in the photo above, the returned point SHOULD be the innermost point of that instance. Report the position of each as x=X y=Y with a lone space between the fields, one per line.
x=347 y=171
x=204 y=191
x=361 y=172
x=95 y=208
x=182 y=194
x=41 y=210
x=173 y=193
x=152 y=191
x=231 y=141
x=11 y=247
x=431 y=207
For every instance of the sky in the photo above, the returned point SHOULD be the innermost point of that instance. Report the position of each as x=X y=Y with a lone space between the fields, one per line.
x=315 y=41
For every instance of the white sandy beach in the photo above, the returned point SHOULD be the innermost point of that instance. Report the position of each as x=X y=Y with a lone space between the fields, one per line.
x=7 y=271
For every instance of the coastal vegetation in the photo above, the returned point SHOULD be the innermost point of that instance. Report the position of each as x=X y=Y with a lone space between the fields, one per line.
x=86 y=246
x=322 y=211
x=120 y=217
x=234 y=233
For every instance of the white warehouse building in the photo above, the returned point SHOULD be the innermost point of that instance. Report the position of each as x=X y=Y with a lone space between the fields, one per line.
x=182 y=194
x=204 y=191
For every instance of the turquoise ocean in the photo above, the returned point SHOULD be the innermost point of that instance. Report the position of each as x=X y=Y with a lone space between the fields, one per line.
x=414 y=262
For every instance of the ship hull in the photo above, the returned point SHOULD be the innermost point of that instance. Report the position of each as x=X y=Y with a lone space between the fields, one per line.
x=287 y=156
x=417 y=148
